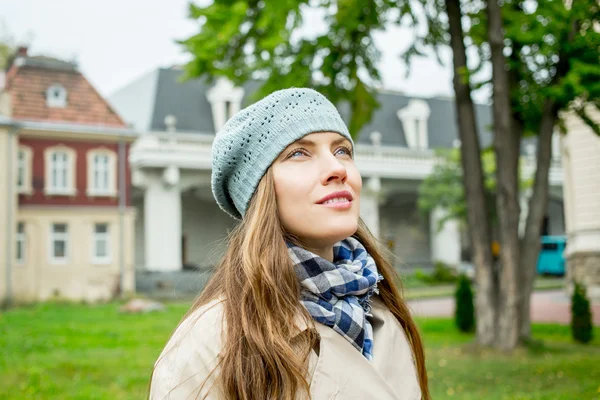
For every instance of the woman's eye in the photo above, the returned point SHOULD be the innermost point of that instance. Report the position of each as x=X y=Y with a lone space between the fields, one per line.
x=297 y=153
x=343 y=151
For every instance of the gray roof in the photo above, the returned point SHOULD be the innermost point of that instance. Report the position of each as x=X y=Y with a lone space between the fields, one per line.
x=48 y=63
x=147 y=101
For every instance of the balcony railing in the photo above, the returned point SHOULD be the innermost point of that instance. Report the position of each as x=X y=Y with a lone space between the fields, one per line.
x=193 y=151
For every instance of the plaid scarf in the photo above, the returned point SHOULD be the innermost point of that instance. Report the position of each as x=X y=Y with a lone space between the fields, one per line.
x=338 y=294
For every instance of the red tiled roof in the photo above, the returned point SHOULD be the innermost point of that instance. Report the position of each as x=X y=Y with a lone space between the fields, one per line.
x=27 y=85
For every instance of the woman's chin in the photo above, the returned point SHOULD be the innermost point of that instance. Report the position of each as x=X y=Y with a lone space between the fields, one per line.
x=335 y=232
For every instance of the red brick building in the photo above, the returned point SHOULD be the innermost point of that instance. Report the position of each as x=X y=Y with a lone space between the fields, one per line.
x=68 y=185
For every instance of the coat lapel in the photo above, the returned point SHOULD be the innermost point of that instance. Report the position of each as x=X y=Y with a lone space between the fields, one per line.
x=342 y=372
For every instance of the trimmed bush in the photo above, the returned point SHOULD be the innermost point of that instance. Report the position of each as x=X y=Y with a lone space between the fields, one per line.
x=465 y=310
x=442 y=273
x=581 y=315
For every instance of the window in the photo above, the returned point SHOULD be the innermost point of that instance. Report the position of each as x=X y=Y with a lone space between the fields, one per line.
x=228 y=110
x=550 y=246
x=59 y=243
x=101 y=173
x=56 y=96
x=101 y=246
x=225 y=100
x=21 y=169
x=60 y=171
x=414 y=119
x=20 y=238
x=418 y=138
x=24 y=170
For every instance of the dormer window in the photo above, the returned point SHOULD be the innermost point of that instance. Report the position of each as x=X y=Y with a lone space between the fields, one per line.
x=228 y=110
x=225 y=100
x=414 y=119
x=56 y=96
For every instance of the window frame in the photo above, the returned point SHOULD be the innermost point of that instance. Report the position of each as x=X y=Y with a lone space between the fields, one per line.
x=70 y=164
x=25 y=166
x=21 y=241
x=58 y=101
x=61 y=236
x=106 y=236
x=92 y=189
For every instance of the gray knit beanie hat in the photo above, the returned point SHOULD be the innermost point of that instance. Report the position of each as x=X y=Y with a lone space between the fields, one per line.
x=253 y=138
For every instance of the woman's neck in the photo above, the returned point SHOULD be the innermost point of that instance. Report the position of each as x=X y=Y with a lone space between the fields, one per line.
x=323 y=252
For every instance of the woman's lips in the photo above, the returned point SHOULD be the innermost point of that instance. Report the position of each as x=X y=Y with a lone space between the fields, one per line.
x=342 y=204
x=339 y=195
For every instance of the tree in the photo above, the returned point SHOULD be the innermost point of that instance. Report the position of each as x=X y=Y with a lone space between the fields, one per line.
x=444 y=188
x=543 y=56
x=582 y=328
x=255 y=39
x=464 y=315
x=8 y=45
x=544 y=60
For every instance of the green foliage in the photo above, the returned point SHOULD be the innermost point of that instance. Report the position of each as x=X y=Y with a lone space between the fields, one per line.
x=464 y=314
x=5 y=52
x=553 y=49
x=262 y=40
x=581 y=315
x=444 y=187
x=7 y=47
x=551 y=46
x=442 y=273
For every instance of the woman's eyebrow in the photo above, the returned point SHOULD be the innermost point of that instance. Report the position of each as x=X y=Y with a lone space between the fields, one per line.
x=340 y=141
x=308 y=142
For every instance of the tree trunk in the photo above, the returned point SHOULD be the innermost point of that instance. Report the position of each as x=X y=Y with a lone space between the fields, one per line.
x=506 y=146
x=477 y=215
x=538 y=203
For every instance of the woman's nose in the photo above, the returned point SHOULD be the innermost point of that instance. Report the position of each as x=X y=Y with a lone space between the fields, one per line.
x=333 y=170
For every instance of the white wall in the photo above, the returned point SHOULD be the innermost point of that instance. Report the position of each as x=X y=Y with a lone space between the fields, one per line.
x=582 y=176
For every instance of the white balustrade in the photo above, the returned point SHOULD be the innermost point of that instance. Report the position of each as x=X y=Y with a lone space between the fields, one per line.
x=194 y=151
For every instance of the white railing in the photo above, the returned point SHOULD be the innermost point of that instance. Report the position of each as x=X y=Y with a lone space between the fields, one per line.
x=194 y=151
x=394 y=162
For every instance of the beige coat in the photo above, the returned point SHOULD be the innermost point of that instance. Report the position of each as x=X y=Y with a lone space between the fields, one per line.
x=338 y=372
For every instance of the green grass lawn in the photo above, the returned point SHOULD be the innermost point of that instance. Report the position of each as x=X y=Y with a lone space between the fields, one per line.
x=415 y=288
x=93 y=352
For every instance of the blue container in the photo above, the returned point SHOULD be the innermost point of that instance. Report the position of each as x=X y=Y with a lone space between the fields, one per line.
x=551 y=260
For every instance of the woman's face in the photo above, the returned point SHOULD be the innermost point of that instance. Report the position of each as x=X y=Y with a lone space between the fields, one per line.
x=318 y=189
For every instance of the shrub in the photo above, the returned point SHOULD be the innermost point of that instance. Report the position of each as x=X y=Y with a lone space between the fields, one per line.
x=443 y=273
x=581 y=315
x=422 y=276
x=465 y=310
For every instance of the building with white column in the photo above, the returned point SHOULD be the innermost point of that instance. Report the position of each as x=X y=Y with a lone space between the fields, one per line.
x=179 y=223
x=581 y=159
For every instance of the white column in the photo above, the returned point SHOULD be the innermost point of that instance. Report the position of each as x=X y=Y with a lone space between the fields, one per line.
x=445 y=243
x=369 y=204
x=524 y=203
x=162 y=222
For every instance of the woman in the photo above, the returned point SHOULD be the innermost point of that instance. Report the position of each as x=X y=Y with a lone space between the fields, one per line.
x=304 y=302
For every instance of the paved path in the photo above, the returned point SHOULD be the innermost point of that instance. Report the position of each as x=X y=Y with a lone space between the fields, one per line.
x=546 y=306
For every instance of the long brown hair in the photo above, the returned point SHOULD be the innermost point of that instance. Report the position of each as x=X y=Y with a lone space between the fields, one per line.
x=261 y=294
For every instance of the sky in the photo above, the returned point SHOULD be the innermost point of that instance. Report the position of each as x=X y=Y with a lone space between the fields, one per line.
x=116 y=41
